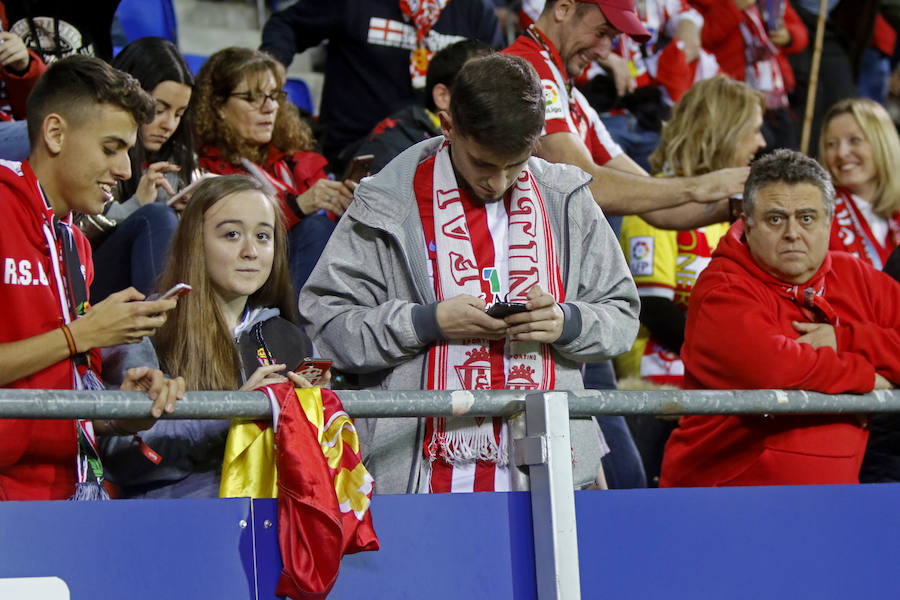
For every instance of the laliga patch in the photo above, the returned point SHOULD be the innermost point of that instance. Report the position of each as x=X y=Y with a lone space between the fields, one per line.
x=640 y=255
x=553 y=103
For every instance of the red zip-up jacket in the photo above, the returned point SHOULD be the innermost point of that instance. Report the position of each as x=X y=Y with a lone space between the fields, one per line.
x=739 y=336
x=37 y=457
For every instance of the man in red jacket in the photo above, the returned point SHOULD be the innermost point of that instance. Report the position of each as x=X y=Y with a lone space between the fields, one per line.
x=775 y=309
x=83 y=117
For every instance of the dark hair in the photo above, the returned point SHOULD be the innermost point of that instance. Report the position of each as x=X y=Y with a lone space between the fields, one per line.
x=791 y=167
x=497 y=101
x=447 y=62
x=73 y=85
x=153 y=60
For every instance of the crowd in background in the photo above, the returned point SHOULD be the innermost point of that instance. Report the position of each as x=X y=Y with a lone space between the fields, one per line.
x=225 y=187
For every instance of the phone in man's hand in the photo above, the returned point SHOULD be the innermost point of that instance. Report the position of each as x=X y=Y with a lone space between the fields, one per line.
x=499 y=310
x=176 y=291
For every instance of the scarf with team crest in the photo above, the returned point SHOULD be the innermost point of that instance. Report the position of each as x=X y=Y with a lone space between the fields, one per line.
x=479 y=363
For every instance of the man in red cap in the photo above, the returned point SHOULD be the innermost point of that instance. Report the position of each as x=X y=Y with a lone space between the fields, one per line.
x=567 y=36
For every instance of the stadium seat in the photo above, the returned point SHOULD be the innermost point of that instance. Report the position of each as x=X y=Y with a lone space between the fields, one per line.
x=194 y=61
x=298 y=93
x=141 y=18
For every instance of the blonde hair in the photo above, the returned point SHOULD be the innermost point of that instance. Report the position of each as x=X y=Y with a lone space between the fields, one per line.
x=216 y=81
x=700 y=135
x=877 y=126
x=195 y=342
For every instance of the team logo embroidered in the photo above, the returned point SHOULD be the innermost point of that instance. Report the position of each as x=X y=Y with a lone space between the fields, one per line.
x=640 y=255
x=492 y=276
x=553 y=106
x=475 y=372
x=521 y=377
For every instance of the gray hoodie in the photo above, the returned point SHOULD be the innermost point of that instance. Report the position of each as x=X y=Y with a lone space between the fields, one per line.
x=369 y=305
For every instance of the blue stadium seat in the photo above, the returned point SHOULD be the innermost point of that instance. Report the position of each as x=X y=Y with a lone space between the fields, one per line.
x=298 y=93
x=194 y=61
x=141 y=18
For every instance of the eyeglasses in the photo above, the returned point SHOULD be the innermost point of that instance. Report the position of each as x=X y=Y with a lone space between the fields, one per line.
x=258 y=99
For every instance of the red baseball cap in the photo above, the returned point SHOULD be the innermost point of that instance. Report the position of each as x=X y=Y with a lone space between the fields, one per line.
x=620 y=13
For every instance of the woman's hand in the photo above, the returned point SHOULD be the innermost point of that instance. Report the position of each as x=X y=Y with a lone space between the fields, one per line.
x=267 y=375
x=301 y=382
x=154 y=178
x=164 y=393
x=335 y=196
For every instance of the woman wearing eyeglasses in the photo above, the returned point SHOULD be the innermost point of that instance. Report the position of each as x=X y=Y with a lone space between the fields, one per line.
x=243 y=123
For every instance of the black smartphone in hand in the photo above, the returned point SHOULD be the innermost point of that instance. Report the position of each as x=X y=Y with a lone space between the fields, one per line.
x=499 y=310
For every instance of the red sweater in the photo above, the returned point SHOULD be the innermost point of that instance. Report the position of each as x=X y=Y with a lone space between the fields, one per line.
x=722 y=36
x=739 y=336
x=292 y=174
x=37 y=457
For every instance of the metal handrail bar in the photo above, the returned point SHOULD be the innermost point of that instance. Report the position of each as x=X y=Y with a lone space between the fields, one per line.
x=114 y=404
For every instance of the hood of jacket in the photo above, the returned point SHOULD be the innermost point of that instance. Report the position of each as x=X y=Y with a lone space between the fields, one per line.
x=734 y=249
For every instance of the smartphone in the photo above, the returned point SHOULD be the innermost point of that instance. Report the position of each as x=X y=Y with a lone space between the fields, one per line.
x=177 y=291
x=189 y=189
x=358 y=167
x=313 y=369
x=498 y=310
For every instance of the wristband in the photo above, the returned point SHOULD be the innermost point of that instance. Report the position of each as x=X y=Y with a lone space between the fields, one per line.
x=70 y=341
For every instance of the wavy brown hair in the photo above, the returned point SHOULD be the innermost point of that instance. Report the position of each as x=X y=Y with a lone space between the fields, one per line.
x=877 y=126
x=705 y=126
x=195 y=342
x=217 y=79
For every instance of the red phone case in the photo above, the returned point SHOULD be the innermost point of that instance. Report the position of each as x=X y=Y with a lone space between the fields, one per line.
x=313 y=370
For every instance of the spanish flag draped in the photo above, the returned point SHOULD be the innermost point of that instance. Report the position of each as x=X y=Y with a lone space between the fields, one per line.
x=311 y=463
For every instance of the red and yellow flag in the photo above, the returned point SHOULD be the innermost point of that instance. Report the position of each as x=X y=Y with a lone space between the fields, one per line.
x=317 y=474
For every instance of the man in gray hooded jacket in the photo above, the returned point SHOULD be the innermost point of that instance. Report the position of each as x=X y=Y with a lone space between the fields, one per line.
x=454 y=225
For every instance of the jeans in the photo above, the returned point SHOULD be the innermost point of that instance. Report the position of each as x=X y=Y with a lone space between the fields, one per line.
x=306 y=241
x=637 y=142
x=14 y=140
x=134 y=254
x=622 y=466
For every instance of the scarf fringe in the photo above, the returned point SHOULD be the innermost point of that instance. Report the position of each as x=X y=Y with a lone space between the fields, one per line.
x=461 y=440
x=89 y=490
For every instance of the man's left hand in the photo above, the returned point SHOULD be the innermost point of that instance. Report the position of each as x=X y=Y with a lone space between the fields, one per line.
x=817 y=335
x=543 y=322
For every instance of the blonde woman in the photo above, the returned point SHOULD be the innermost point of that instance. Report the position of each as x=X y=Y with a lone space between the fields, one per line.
x=715 y=125
x=860 y=148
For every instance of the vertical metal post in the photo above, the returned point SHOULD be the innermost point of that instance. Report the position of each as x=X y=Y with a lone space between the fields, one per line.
x=547 y=452
x=518 y=472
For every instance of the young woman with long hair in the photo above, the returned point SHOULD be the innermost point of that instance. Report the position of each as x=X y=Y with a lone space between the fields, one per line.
x=162 y=161
x=230 y=248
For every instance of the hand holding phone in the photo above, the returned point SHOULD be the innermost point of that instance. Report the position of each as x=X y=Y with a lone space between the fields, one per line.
x=185 y=192
x=358 y=167
x=313 y=370
x=176 y=291
x=499 y=310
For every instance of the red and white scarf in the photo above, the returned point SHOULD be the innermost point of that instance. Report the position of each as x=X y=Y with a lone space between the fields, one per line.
x=423 y=14
x=851 y=232
x=761 y=55
x=478 y=363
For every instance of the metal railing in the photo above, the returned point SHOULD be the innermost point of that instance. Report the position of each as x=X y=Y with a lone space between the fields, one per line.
x=538 y=427
x=112 y=404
